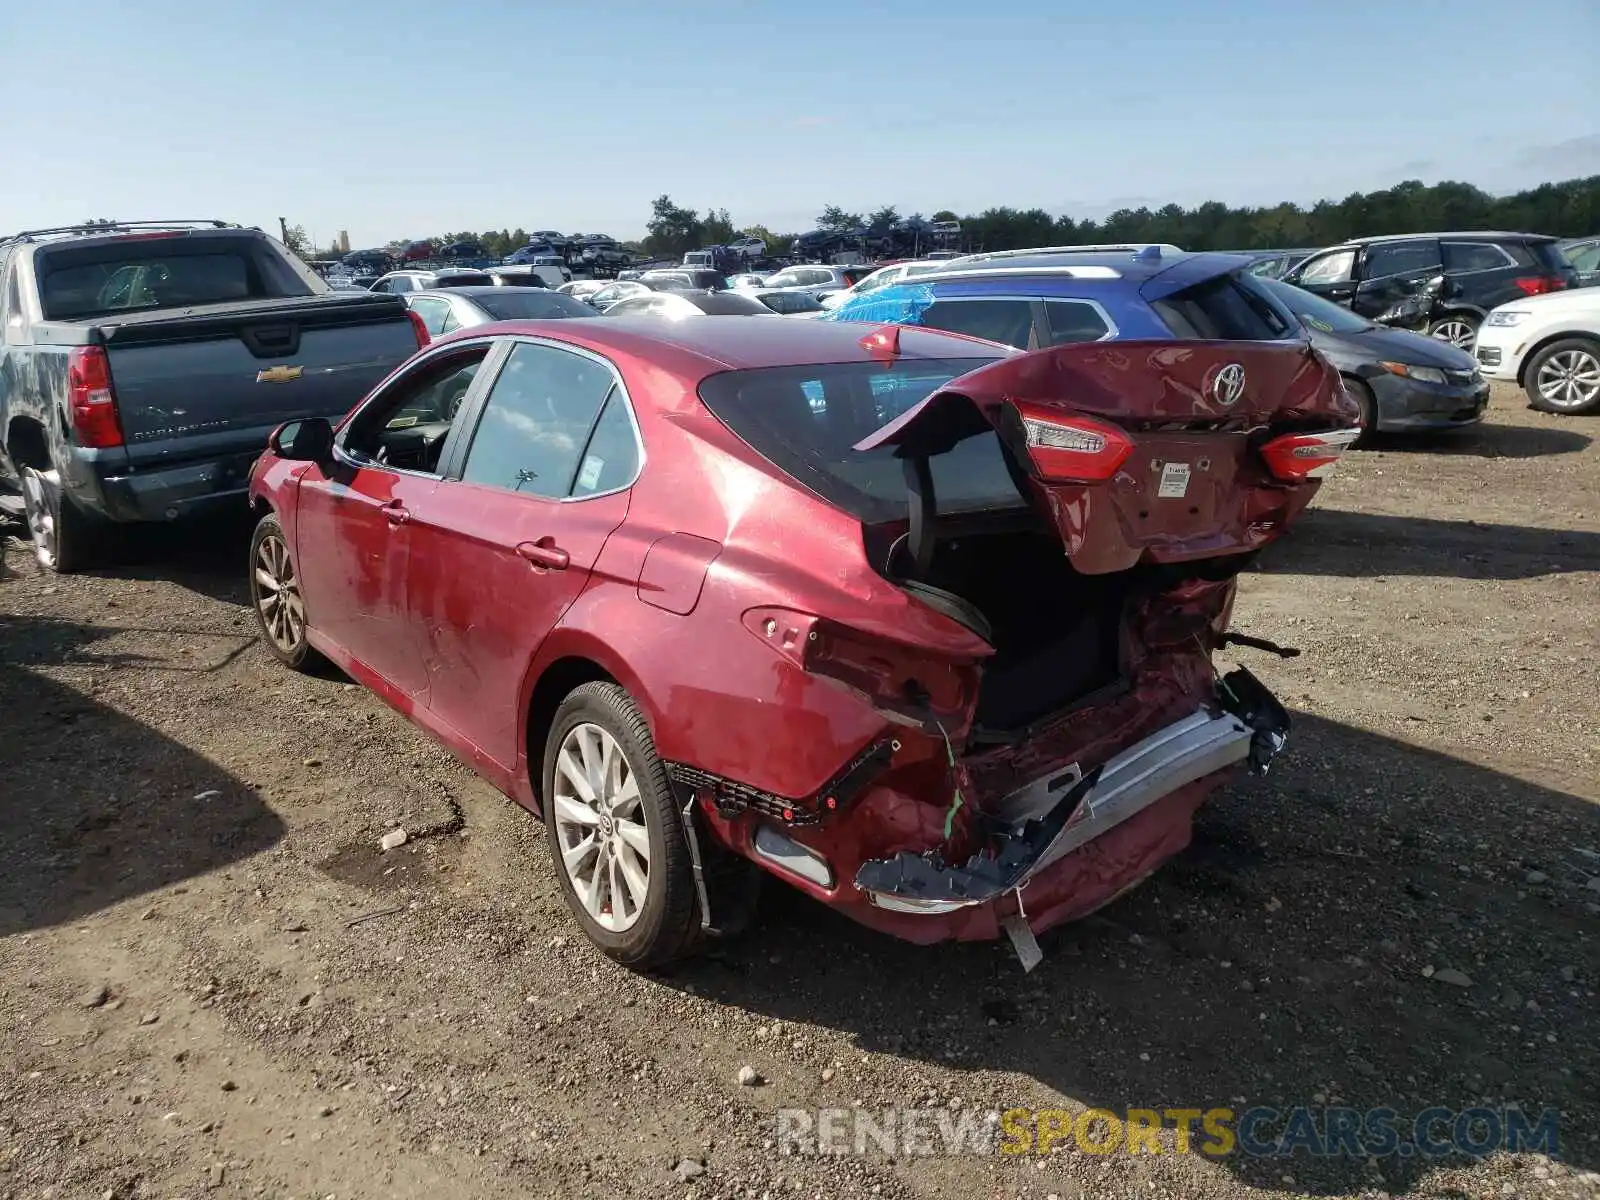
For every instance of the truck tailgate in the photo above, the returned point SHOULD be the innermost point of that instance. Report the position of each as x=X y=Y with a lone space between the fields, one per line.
x=212 y=380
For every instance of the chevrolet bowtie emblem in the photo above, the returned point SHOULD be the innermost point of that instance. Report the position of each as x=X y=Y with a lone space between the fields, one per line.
x=279 y=374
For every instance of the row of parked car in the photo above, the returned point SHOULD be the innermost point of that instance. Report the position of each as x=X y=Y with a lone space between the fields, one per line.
x=835 y=512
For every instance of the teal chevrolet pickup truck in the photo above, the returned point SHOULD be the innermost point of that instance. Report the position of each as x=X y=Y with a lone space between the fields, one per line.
x=144 y=363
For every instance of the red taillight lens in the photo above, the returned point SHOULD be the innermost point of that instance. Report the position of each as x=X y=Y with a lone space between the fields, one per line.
x=418 y=328
x=93 y=403
x=1296 y=457
x=1067 y=449
x=1538 y=285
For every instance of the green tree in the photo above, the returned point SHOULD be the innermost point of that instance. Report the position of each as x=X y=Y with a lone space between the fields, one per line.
x=673 y=230
x=717 y=228
x=835 y=220
x=299 y=244
x=882 y=220
x=944 y=214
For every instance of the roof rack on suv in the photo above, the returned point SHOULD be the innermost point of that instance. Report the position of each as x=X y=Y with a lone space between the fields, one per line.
x=88 y=228
x=1106 y=248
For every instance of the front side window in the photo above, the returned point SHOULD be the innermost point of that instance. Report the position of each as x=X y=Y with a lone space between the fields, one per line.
x=1337 y=267
x=1400 y=258
x=406 y=425
x=540 y=434
x=433 y=312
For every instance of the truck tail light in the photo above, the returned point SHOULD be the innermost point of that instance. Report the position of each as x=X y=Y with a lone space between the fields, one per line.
x=1296 y=457
x=1071 y=449
x=418 y=328
x=93 y=403
x=1539 y=285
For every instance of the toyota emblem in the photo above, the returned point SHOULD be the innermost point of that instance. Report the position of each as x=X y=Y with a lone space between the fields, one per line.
x=1228 y=386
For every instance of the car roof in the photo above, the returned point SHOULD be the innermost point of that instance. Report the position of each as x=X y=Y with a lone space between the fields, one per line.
x=708 y=347
x=1109 y=269
x=484 y=289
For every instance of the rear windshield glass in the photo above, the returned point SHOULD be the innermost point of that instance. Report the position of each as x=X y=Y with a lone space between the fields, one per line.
x=515 y=304
x=1228 y=308
x=1550 y=256
x=1314 y=311
x=150 y=273
x=463 y=279
x=805 y=421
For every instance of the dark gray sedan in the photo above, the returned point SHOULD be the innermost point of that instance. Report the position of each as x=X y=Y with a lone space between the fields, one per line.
x=1404 y=382
x=446 y=310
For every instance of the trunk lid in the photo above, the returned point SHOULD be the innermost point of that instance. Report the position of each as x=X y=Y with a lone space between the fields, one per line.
x=1153 y=451
x=215 y=378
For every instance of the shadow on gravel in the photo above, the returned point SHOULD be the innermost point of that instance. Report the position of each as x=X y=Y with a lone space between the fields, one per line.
x=208 y=555
x=1333 y=541
x=1488 y=441
x=1278 y=962
x=96 y=807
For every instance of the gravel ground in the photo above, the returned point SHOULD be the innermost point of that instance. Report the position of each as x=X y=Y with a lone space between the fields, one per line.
x=213 y=983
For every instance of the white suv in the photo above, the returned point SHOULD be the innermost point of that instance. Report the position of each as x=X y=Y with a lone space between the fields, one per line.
x=1549 y=345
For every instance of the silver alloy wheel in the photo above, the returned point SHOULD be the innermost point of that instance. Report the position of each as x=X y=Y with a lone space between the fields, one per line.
x=41 y=520
x=1569 y=379
x=1457 y=332
x=277 y=590
x=599 y=819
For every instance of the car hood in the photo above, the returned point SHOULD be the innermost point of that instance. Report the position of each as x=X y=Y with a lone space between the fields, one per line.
x=1379 y=344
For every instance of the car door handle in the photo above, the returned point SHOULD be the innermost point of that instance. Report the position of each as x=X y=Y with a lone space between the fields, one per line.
x=397 y=512
x=545 y=553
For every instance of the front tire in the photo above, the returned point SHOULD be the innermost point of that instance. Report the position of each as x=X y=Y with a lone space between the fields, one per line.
x=64 y=537
x=1459 y=329
x=1361 y=392
x=275 y=595
x=1564 y=377
x=616 y=837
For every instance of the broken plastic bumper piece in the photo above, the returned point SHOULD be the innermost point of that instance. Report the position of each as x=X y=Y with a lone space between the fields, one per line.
x=1033 y=829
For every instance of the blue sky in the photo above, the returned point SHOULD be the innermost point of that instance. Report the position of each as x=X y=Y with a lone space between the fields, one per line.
x=401 y=118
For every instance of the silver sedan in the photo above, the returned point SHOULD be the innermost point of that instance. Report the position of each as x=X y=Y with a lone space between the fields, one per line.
x=446 y=310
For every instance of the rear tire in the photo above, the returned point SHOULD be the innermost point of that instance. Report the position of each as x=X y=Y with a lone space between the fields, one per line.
x=1361 y=392
x=615 y=831
x=1564 y=377
x=65 y=539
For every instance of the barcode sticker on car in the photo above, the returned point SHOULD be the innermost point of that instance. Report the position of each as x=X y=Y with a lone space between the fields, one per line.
x=1174 y=481
x=590 y=475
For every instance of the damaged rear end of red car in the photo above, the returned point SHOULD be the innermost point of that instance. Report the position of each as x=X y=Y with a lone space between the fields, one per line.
x=1050 y=714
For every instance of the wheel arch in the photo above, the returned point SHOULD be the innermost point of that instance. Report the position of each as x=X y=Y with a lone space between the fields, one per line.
x=567 y=660
x=28 y=444
x=1565 y=335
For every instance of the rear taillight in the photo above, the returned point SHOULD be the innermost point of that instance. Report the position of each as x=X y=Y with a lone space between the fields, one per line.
x=1538 y=285
x=418 y=328
x=1071 y=449
x=89 y=395
x=1300 y=456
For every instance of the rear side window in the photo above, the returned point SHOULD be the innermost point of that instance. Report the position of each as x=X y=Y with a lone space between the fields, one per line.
x=1072 y=321
x=1474 y=256
x=805 y=420
x=1400 y=258
x=1228 y=308
x=1009 y=322
x=537 y=434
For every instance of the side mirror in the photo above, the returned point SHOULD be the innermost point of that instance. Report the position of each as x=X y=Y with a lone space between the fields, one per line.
x=306 y=440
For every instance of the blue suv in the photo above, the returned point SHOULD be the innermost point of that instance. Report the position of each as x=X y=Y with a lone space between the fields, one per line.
x=1052 y=297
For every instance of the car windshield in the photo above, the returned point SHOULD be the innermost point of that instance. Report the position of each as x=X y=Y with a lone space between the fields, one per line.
x=1314 y=311
x=806 y=420
x=517 y=304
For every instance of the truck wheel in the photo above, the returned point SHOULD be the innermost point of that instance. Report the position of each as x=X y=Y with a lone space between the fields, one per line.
x=63 y=535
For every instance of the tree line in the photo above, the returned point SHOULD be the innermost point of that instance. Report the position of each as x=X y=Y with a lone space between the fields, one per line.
x=1567 y=209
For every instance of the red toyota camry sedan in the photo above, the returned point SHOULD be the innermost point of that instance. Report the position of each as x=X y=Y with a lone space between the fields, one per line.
x=920 y=625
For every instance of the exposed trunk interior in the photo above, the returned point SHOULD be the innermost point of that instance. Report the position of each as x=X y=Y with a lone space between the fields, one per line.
x=1055 y=631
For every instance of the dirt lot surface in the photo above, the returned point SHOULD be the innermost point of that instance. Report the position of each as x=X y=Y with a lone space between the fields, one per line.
x=213 y=983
